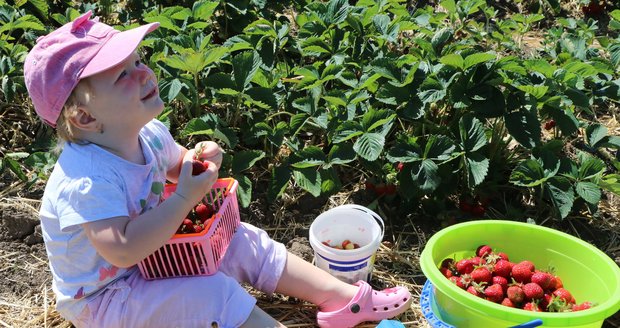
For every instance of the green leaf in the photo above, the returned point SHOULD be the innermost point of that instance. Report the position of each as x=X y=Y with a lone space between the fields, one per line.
x=528 y=173
x=559 y=190
x=341 y=153
x=591 y=168
x=245 y=66
x=245 y=159
x=537 y=91
x=524 y=127
x=280 y=176
x=330 y=182
x=477 y=168
x=309 y=180
x=244 y=190
x=611 y=182
x=590 y=192
x=472 y=134
x=476 y=59
x=14 y=166
x=439 y=147
x=426 y=174
x=369 y=146
x=347 y=130
x=310 y=156
x=203 y=10
x=454 y=60
x=595 y=134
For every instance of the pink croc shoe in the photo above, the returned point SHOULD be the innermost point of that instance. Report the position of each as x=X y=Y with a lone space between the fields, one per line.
x=367 y=305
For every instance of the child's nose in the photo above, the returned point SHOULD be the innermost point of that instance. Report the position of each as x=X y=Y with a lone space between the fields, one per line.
x=143 y=73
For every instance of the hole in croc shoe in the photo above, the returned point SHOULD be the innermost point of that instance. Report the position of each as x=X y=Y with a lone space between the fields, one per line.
x=385 y=308
x=396 y=305
x=405 y=299
x=374 y=309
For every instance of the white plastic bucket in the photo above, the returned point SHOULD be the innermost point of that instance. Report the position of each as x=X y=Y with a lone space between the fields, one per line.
x=355 y=223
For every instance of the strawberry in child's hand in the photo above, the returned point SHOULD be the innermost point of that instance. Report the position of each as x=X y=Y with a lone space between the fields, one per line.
x=198 y=167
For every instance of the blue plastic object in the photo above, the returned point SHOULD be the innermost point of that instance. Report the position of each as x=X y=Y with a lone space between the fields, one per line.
x=533 y=323
x=427 y=303
x=390 y=324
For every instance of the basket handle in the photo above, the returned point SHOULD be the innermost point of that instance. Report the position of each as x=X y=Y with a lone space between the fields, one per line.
x=369 y=212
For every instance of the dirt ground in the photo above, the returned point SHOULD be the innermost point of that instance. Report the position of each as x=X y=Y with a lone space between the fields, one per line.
x=26 y=299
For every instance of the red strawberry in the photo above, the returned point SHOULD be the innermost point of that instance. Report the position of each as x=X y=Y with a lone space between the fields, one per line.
x=499 y=280
x=564 y=295
x=477 y=261
x=515 y=294
x=503 y=255
x=478 y=210
x=531 y=306
x=446 y=272
x=522 y=272
x=204 y=212
x=503 y=268
x=400 y=166
x=507 y=302
x=483 y=250
x=558 y=283
x=543 y=279
x=582 y=306
x=494 y=293
x=482 y=274
x=549 y=125
x=197 y=228
x=447 y=263
x=458 y=281
x=464 y=206
x=464 y=266
x=473 y=290
x=198 y=167
x=533 y=291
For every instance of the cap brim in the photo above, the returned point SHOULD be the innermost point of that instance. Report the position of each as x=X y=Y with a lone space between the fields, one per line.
x=117 y=49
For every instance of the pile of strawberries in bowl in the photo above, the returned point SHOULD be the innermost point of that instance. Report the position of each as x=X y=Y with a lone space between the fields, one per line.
x=492 y=276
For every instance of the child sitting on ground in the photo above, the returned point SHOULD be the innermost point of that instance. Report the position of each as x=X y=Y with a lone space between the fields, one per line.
x=102 y=210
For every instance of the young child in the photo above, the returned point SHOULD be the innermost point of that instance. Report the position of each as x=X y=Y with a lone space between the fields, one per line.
x=102 y=212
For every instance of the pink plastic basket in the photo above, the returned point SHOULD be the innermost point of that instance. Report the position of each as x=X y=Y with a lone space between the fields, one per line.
x=198 y=253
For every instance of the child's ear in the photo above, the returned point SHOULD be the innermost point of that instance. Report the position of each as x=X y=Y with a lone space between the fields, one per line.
x=83 y=120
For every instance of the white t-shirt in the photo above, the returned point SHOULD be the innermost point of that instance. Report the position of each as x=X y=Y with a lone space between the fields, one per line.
x=88 y=184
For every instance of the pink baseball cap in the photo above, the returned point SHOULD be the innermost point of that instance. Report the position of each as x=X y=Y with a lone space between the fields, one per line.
x=72 y=52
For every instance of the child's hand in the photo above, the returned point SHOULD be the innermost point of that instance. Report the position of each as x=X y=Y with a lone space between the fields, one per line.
x=208 y=151
x=194 y=187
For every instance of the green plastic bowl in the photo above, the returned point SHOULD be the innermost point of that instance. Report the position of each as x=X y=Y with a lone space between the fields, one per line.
x=586 y=272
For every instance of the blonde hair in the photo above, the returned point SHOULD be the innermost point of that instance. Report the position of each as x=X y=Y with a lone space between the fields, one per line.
x=64 y=129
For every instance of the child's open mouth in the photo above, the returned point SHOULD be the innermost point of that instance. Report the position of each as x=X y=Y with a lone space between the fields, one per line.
x=150 y=94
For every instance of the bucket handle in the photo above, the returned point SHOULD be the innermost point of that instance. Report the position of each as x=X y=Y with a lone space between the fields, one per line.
x=367 y=211
x=533 y=323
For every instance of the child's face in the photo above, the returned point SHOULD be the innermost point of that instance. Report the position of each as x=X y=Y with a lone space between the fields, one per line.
x=125 y=97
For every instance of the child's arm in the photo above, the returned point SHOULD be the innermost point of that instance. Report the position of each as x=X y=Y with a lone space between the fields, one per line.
x=124 y=242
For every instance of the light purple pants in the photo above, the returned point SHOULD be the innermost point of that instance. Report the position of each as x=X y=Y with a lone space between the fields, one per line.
x=199 y=301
